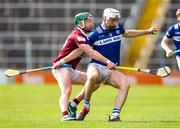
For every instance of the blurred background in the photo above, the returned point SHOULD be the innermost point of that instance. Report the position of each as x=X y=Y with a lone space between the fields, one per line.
x=32 y=33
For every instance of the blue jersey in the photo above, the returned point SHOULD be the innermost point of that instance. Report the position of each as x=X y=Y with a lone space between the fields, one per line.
x=174 y=33
x=107 y=43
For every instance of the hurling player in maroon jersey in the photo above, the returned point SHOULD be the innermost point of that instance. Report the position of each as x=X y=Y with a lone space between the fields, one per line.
x=66 y=76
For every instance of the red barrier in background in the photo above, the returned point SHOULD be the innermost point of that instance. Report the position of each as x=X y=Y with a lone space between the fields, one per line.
x=44 y=77
x=41 y=77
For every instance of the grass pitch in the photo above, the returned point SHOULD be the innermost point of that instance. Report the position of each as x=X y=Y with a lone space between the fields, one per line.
x=37 y=107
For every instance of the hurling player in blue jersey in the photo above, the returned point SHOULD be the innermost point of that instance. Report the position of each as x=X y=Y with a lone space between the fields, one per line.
x=106 y=39
x=173 y=33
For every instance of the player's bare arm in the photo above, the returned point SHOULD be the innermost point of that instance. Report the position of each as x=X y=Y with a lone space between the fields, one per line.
x=165 y=45
x=96 y=55
x=136 y=33
x=73 y=55
x=88 y=50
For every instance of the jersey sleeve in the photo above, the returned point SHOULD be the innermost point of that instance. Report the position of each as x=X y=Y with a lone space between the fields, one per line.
x=91 y=38
x=121 y=28
x=170 y=32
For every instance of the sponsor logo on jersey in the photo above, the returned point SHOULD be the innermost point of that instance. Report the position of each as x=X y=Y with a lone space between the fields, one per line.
x=81 y=39
x=108 y=40
x=118 y=31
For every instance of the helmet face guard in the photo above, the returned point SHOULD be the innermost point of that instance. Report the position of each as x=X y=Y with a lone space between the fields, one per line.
x=111 y=17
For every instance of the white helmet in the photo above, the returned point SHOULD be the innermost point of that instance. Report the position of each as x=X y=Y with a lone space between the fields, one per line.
x=111 y=13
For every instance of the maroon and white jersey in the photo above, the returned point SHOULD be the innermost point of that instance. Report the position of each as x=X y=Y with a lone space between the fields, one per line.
x=73 y=41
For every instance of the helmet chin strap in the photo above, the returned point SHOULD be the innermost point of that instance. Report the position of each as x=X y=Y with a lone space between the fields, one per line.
x=105 y=20
x=83 y=25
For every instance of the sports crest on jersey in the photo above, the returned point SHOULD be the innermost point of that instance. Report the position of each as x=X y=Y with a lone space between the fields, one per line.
x=81 y=39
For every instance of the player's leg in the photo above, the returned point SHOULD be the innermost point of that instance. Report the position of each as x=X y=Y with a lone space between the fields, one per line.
x=119 y=81
x=78 y=78
x=93 y=80
x=93 y=77
x=178 y=61
x=63 y=76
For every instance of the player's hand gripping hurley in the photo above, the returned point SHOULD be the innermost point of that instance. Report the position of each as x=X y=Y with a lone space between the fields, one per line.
x=12 y=72
x=162 y=72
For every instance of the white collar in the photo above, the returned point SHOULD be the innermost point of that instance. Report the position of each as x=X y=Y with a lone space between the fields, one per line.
x=102 y=25
x=81 y=31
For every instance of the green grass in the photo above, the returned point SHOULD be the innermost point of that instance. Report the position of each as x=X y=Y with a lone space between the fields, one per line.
x=37 y=107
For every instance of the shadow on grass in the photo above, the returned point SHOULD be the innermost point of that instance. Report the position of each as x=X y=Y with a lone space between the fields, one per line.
x=135 y=121
x=152 y=121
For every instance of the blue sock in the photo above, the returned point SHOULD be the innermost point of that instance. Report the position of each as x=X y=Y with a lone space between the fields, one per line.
x=87 y=103
x=115 y=112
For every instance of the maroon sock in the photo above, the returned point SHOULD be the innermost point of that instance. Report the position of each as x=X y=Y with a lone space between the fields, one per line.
x=85 y=110
x=64 y=113
x=76 y=101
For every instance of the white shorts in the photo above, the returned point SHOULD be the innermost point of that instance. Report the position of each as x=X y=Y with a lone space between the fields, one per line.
x=74 y=73
x=103 y=70
x=178 y=61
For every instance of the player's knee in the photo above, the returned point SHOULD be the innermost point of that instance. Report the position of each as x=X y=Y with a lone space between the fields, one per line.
x=93 y=78
x=125 y=86
x=96 y=87
x=67 y=91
